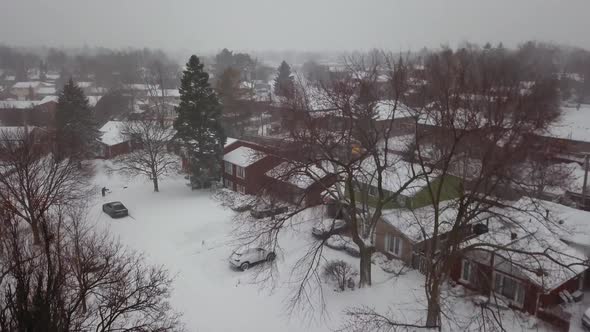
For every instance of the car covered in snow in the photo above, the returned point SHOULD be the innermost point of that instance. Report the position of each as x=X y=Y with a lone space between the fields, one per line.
x=586 y=319
x=244 y=258
x=328 y=227
x=115 y=209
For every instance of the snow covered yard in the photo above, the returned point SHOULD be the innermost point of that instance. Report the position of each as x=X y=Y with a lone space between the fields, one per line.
x=190 y=233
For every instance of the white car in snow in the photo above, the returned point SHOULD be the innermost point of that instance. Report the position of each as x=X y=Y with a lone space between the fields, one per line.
x=244 y=258
x=328 y=226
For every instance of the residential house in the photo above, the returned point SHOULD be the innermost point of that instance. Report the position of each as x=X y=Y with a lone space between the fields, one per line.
x=298 y=183
x=407 y=233
x=244 y=167
x=33 y=112
x=523 y=264
x=404 y=180
x=34 y=90
x=113 y=141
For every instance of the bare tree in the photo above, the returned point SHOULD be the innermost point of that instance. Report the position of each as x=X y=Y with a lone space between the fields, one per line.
x=340 y=135
x=150 y=157
x=80 y=279
x=33 y=181
x=473 y=123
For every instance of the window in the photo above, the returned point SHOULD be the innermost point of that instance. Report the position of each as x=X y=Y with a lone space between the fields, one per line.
x=241 y=189
x=240 y=172
x=229 y=167
x=468 y=272
x=393 y=244
x=228 y=184
x=509 y=288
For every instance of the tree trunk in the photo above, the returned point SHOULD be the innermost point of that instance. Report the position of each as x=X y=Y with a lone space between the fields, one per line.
x=433 y=313
x=155 y=180
x=35 y=229
x=365 y=266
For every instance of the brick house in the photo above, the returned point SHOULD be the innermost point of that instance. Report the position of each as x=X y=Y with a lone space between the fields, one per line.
x=253 y=168
x=299 y=184
x=32 y=112
x=113 y=142
x=244 y=167
x=400 y=235
x=511 y=276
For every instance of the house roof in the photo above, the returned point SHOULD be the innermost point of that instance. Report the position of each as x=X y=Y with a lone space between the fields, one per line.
x=397 y=174
x=229 y=141
x=93 y=100
x=84 y=85
x=243 y=156
x=48 y=99
x=300 y=175
x=112 y=133
x=26 y=85
x=23 y=104
x=47 y=90
x=418 y=224
x=532 y=248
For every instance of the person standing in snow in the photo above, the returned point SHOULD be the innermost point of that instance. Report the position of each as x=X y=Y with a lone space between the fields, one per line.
x=103 y=191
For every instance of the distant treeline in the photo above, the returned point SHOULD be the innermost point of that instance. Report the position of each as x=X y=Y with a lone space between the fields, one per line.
x=107 y=68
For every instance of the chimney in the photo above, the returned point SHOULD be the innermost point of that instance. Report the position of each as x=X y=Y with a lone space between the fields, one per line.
x=513 y=236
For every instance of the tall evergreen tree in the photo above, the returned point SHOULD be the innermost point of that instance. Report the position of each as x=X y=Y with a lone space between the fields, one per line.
x=199 y=124
x=284 y=85
x=77 y=130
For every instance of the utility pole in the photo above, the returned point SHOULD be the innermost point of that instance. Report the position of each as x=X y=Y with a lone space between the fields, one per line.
x=585 y=181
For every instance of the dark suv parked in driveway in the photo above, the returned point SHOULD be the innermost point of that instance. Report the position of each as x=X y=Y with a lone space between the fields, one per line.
x=115 y=209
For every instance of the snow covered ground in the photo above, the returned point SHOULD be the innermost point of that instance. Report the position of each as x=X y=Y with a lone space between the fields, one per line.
x=191 y=234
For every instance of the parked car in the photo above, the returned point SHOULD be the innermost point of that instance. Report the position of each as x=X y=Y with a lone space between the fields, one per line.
x=328 y=226
x=243 y=259
x=586 y=319
x=115 y=209
x=268 y=212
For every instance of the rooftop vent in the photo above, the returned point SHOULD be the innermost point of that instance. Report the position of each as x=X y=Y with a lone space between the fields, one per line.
x=513 y=236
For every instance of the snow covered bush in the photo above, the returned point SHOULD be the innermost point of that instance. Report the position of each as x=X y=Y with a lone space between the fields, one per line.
x=340 y=273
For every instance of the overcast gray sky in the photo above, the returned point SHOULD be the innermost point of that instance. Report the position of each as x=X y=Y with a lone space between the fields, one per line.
x=313 y=25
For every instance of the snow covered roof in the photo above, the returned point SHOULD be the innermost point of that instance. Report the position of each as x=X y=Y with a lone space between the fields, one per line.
x=229 y=141
x=572 y=124
x=299 y=175
x=389 y=109
x=532 y=249
x=395 y=176
x=48 y=99
x=26 y=85
x=47 y=90
x=418 y=224
x=175 y=93
x=93 y=100
x=243 y=156
x=84 y=85
x=19 y=104
x=139 y=87
x=112 y=133
x=52 y=76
